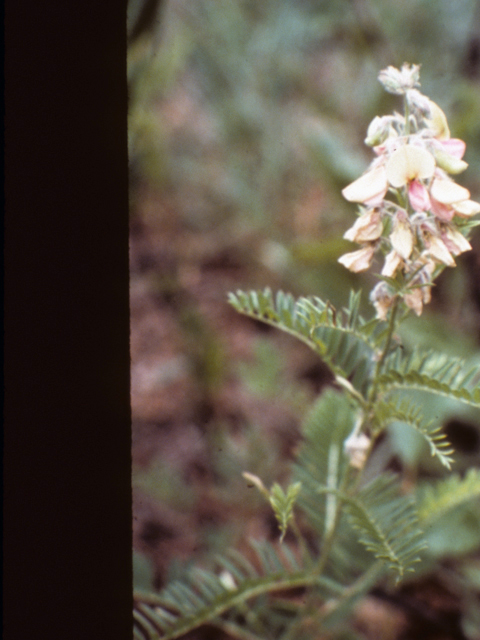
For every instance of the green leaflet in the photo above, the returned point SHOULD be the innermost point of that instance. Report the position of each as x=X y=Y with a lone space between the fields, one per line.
x=436 y=500
x=321 y=461
x=343 y=339
x=387 y=523
x=385 y=520
x=410 y=414
x=203 y=596
x=433 y=372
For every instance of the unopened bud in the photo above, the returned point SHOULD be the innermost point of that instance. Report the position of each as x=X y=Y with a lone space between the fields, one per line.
x=438 y=122
x=356 y=448
x=449 y=163
x=377 y=131
x=227 y=580
x=398 y=82
x=382 y=299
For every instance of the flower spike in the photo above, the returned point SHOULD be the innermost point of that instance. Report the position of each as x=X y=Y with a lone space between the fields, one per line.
x=412 y=207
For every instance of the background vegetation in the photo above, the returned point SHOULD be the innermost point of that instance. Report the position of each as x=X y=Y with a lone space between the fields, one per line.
x=246 y=119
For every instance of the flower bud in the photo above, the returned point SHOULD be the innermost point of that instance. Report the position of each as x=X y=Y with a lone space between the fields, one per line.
x=414 y=300
x=382 y=299
x=356 y=447
x=397 y=82
x=449 y=163
x=227 y=580
x=377 y=131
x=418 y=100
x=438 y=122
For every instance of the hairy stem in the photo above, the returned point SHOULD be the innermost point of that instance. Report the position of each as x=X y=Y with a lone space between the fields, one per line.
x=385 y=352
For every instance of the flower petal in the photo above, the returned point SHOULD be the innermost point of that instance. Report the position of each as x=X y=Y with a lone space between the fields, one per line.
x=455 y=242
x=382 y=299
x=370 y=185
x=448 y=192
x=438 y=122
x=414 y=300
x=392 y=262
x=466 y=208
x=402 y=238
x=409 y=163
x=449 y=163
x=367 y=227
x=418 y=196
x=454 y=147
x=358 y=260
x=442 y=211
x=437 y=249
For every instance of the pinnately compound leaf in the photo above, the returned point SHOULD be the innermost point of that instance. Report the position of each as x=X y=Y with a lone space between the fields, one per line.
x=341 y=338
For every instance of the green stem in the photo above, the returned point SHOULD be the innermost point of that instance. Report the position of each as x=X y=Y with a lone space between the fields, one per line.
x=386 y=350
x=318 y=569
x=407 y=117
x=388 y=341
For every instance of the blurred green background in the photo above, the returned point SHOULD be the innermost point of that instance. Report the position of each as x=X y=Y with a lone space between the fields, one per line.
x=251 y=115
x=246 y=119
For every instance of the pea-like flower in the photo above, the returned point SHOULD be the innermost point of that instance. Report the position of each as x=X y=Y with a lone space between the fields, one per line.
x=369 y=188
x=367 y=227
x=409 y=163
x=358 y=260
x=402 y=237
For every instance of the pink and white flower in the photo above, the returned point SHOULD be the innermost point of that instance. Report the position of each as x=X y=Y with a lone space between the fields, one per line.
x=368 y=227
x=412 y=206
x=358 y=260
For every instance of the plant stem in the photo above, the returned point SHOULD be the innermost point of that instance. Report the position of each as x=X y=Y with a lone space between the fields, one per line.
x=386 y=349
x=363 y=584
x=317 y=570
x=388 y=341
x=407 y=117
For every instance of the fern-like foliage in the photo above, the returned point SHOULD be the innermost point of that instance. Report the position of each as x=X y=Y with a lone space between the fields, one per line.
x=349 y=345
x=433 y=372
x=322 y=461
x=207 y=596
x=343 y=339
x=385 y=520
x=387 y=523
x=402 y=410
x=437 y=500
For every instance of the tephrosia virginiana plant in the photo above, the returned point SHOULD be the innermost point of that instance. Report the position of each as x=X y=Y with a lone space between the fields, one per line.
x=363 y=526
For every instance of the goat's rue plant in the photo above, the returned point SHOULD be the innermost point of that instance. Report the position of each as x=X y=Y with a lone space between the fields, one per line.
x=416 y=219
